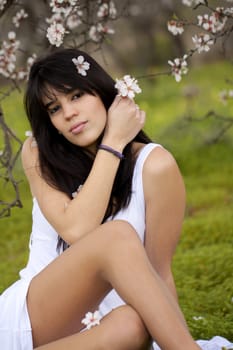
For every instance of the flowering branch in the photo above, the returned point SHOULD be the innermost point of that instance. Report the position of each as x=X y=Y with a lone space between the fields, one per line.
x=212 y=26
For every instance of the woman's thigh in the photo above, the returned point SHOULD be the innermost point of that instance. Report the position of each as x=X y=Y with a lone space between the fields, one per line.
x=61 y=294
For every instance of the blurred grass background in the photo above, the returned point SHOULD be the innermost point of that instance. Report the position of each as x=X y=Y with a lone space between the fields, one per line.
x=203 y=264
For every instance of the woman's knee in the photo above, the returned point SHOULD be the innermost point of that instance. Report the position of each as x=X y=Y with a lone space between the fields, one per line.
x=119 y=233
x=127 y=330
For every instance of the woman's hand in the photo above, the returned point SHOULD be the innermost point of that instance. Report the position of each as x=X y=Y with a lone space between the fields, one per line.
x=124 y=121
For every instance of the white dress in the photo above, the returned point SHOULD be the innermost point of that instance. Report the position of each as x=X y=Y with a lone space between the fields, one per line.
x=15 y=327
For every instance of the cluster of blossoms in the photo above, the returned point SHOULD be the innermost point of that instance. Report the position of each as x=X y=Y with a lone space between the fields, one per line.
x=179 y=67
x=98 y=30
x=211 y=27
x=175 y=26
x=17 y=19
x=67 y=15
x=202 y=42
x=8 y=52
x=127 y=86
x=214 y=22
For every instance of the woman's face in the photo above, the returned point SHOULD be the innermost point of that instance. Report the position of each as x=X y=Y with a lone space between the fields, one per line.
x=79 y=117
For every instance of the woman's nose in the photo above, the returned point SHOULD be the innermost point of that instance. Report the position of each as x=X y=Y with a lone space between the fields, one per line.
x=69 y=111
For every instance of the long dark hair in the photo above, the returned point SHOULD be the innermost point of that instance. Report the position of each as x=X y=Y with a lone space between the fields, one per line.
x=64 y=165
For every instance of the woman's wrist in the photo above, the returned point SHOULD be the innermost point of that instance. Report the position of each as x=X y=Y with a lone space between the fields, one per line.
x=116 y=145
x=111 y=150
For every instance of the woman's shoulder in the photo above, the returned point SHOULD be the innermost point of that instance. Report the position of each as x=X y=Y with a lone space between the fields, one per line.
x=161 y=171
x=159 y=160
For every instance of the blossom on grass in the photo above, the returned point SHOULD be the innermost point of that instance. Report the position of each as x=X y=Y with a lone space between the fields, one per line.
x=179 y=67
x=198 y=318
x=81 y=65
x=91 y=319
x=127 y=86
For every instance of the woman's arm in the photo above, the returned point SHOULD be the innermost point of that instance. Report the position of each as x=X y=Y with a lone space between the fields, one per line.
x=74 y=218
x=165 y=205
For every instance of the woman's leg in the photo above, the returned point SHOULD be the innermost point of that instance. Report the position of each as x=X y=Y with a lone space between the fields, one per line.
x=120 y=329
x=75 y=283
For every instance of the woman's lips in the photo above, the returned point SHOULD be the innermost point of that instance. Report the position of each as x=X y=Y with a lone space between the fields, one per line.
x=76 y=129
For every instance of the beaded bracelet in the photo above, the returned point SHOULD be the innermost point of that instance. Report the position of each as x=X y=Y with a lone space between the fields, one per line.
x=111 y=150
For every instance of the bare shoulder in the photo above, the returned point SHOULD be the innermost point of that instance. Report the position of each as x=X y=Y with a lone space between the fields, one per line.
x=159 y=161
x=161 y=173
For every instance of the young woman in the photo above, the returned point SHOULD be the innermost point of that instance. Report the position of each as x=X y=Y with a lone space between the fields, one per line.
x=101 y=224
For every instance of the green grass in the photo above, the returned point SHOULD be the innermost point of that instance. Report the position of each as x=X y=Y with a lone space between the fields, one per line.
x=203 y=263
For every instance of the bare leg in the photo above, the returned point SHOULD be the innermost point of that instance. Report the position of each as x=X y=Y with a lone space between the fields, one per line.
x=75 y=283
x=120 y=329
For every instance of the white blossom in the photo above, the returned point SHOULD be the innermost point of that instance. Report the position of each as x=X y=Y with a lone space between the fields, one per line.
x=175 y=27
x=112 y=10
x=104 y=29
x=62 y=6
x=192 y=2
x=91 y=319
x=228 y=11
x=202 y=42
x=81 y=65
x=21 y=75
x=179 y=67
x=107 y=10
x=11 y=36
x=20 y=15
x=225 y=95
x=55 y=18
x=28 y=133
x=198 y=318
x=127 y=86
x=96 y=32
x=31 y=60
x=55 y=34
x=74 y=20
x=213 y=23
x=2 y=4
